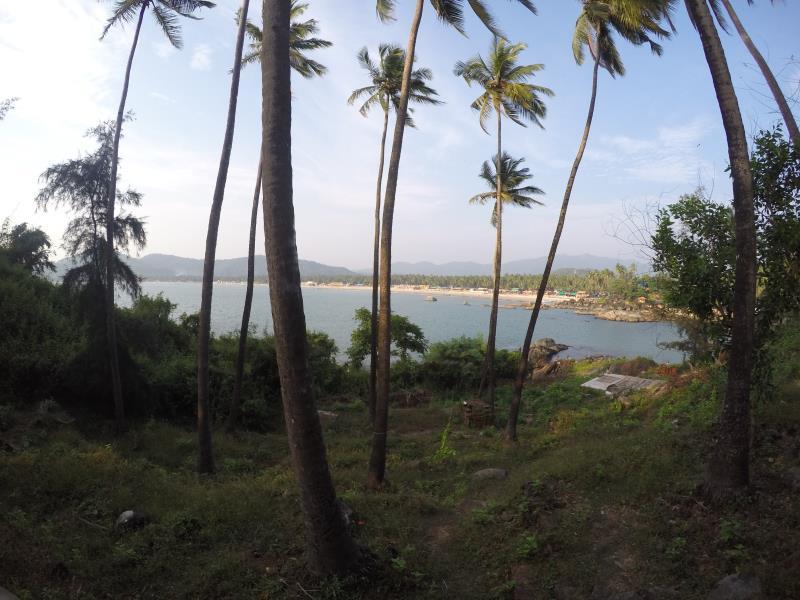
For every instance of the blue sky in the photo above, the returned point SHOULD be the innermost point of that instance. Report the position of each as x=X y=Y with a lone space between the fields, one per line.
x=657 y=132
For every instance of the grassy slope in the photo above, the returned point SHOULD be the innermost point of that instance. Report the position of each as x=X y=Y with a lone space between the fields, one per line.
x=599 y=498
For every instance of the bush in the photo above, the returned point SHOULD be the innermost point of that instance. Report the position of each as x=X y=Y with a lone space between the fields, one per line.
x=38 y=341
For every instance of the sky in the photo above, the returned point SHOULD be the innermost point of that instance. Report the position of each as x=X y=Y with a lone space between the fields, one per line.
x=657 y=132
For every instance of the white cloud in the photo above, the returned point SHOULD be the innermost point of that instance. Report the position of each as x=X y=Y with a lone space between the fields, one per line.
x=201 y=57
x=162 y=97
x=673 y=156
x=163 y=49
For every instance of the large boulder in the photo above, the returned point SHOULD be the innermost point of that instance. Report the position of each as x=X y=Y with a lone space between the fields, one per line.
x=543 y=350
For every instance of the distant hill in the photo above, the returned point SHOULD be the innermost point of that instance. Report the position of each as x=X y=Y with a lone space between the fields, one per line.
x=166 y=266
x=530 y=266
x=169 y=267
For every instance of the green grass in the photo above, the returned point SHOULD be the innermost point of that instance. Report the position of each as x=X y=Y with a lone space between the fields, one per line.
x=600 y=496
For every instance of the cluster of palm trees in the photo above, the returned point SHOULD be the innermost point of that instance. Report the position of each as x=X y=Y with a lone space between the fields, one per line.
x=506 y=91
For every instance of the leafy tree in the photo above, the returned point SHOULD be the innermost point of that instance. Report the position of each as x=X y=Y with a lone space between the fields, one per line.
x=26 y=246
x=166 y=13
x=300 y=41
x=772 y=83
x=205 y=462
x=695 y=246
x=82 y=186
x=407 y=338
x=386 y=77
x=729 y=466
x=331 y=549
x=450 y=12
x=639 y=22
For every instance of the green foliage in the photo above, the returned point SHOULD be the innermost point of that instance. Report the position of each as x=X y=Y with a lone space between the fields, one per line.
x=528 y=546
x=26 y=246
x=444 y=451
x=407 y=338
x=694 y=247
x=38 y=341
x=455 y=364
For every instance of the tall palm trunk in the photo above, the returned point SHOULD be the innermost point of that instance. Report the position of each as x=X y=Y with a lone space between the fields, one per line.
x=522 y=370
x=488 y=376
x=377 y=460
x=331 y=549
x=206 y=458
x=729 y=465
x=780 y=99
x=236 y=402
x=376 y=252
x=111 y=327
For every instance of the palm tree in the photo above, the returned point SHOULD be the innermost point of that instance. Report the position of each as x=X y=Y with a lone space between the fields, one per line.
x=729 y=466
x=299 y=42
x=638 y=21
x=772 y=83
x=206 y=457
x=506 y=93
x=452 y=13
x=331 y=548
x=166 y=13
x=386 y=79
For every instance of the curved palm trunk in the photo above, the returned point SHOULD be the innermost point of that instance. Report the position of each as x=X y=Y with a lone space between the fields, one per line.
x=377 y=459
x=780 y=99
x=236 y=402
x=373 y=338
x=331 y=549
x=488 y=376
x=729 y=465
x=522 y=370
x=111 y=327
x=206 y=458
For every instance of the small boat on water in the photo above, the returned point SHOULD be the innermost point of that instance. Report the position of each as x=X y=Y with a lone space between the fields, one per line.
x=466 y=303
x=431 y=299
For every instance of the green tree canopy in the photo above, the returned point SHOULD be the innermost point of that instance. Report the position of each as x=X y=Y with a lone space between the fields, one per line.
x=406 y=337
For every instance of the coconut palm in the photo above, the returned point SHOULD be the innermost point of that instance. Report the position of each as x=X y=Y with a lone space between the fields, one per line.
x=450 y=12
x=331 y=549
x=772 y=83
x=640 y=23
x=300 y=41
x=206 y=458
x=506 y=93
x=386 y=77
x=729 y=469
x=167 y=14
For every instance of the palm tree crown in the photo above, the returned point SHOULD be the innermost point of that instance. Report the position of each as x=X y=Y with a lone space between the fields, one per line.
x=638 y=21
x=387 y=78
x=505 y=83
x=300 y=41
x=165 y=12
x=452 y=12
x=512 y=180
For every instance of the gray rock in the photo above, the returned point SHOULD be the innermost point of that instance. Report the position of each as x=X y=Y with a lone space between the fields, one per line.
x=543 y=350
x=489 y=474
x=130 y=520
x=6 y=595
x=737 y=587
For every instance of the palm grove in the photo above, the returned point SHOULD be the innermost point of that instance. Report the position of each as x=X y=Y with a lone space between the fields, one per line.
x=756 y=230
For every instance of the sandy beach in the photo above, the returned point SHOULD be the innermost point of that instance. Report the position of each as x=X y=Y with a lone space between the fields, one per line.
x=511 y=299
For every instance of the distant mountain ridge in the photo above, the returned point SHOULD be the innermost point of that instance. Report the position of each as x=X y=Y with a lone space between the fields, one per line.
x=167 y=266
